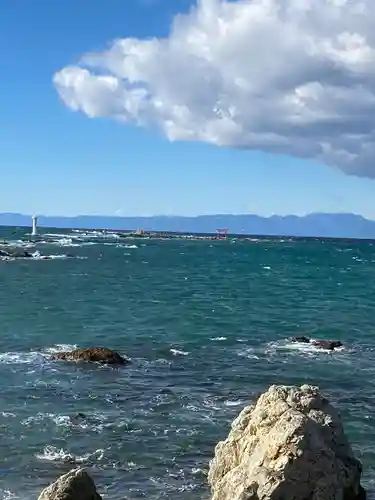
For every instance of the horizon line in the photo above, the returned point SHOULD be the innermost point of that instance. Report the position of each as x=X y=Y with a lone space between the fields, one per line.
x=223 y=214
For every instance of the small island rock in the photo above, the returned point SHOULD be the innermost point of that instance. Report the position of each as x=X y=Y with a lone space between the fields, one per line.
x=327 y=344
x=289 y=446
x=92 y=355
x=75 y=485
x=15 y=253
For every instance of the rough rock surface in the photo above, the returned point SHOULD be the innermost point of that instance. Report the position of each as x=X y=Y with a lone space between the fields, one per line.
x=15 y=253
x=93 y=355
x=289 y=446
x=327 y=344
x=75 y=485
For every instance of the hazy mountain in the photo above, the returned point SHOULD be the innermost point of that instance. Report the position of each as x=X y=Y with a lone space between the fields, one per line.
x=318 y=224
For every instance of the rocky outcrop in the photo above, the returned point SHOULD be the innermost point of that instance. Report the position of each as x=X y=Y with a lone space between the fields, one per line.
x=92 y=355
x=289 y=446
x=329 y=345
x=75 y=485
x=301 y=340
x=15 y=253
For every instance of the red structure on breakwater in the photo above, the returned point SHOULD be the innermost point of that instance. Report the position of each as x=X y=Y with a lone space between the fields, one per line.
x=221 y=234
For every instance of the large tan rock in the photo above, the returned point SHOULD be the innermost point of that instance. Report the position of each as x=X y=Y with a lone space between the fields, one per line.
x=75 y=485
x=289 y=446
x=92 y=354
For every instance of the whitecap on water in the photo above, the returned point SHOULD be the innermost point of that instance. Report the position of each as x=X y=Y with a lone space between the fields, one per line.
x=67 y=242
x=20 y=244
x=33 y=357
x=233 y=403
x=248 y=353
x=308 y=348
x=38 y=256
x=60 y=348
x=59 y=420
x=21 y=357
x=127 y=246
x=53 y=454
x=218 y=339
x=177 y=352
x=8 y=495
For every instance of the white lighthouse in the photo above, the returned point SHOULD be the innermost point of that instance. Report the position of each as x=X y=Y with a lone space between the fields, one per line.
x=35 y=225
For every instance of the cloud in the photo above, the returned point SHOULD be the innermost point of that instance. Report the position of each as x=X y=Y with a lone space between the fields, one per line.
x=294 y=77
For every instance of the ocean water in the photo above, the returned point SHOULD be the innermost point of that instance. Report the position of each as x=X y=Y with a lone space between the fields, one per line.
x=206 y=326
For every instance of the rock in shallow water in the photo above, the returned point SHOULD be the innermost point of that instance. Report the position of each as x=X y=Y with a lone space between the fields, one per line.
x=289 y=446
x=15 y=253
x=329 y=345
x=92 y=354
x=75 y=485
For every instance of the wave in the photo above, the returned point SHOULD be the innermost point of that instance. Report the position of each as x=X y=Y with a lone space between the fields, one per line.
x=234 y=403
x=93 y=422
x=21 y=358
x=18 y=244
x=248 y=353
x=118 y=245
x=7 y=414
x=33 y=357
x=53 y=454
x=308 y=349
x=95 y=234
x=59 y=348
x=177 y=352
x=38 y=256
x=63 y=242
x=56 y=235
x=59 y=420
x=8 y=495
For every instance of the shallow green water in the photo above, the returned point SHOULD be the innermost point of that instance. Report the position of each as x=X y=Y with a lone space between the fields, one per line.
x=205 y=324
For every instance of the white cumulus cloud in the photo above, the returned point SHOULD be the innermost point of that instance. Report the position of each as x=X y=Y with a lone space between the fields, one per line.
x=294 y=77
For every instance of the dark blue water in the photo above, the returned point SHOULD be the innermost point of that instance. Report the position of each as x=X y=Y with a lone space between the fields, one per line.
x=205 y=324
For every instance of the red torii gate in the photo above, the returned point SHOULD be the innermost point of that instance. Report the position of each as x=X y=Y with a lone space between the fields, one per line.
x=222 y=233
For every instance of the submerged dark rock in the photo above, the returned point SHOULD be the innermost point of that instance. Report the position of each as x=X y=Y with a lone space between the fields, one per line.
x=301 y=340
x=92 y=355
x=15 y=253
x=329 y=345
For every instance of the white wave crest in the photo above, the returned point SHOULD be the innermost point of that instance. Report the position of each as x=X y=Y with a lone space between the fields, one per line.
x=60 y=348
x=177 y=352
x=21 y=358
x=248 y=353
x=53 y=454
x=59 y=420
x=34 y=357
x=8 y=495
x=233 y=403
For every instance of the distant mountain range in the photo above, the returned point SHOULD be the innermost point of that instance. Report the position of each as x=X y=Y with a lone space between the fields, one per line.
x=318 y=224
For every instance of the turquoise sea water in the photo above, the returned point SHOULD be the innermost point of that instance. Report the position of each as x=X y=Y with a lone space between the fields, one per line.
x=205 y=324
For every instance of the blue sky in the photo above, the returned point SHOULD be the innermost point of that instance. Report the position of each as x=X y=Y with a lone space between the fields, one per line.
x=57 y=161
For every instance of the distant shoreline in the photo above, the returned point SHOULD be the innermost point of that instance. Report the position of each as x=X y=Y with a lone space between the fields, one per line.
x=317 y=225
x=176 y=235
